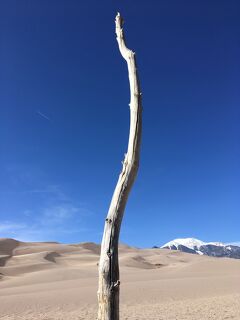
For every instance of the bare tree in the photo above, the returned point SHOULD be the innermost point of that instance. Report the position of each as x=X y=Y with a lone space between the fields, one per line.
x=108 y=291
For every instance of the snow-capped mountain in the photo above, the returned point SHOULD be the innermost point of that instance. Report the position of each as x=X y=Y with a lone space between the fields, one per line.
x=195 y=246
x=191 y=243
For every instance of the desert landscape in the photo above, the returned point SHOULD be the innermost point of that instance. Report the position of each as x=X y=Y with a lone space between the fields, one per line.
x=57 y=281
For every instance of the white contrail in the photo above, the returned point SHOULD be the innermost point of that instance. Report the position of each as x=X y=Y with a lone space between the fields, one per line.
x=43 y=115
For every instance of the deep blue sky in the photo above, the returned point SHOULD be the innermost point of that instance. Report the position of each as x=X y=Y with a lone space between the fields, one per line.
x=64 y=119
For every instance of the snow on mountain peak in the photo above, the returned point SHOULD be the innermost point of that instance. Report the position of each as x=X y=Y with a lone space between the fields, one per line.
x=219 y=244
x=195 y=246
x=190 y=243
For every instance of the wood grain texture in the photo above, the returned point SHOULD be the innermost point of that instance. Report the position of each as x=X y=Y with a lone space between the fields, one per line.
x=109 y=283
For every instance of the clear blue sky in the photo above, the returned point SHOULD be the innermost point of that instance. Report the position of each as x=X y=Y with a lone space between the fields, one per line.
x=64 y=119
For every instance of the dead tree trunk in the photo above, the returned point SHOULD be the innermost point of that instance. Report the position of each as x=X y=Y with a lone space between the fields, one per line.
x=108 y=291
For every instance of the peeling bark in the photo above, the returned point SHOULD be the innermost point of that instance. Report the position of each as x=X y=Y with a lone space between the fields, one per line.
x=109 y=283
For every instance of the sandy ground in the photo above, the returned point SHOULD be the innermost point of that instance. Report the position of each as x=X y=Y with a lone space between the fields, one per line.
x=55 y=281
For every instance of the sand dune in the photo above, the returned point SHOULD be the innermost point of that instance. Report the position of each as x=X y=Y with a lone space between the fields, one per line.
x=7 y=246
x=56 y=281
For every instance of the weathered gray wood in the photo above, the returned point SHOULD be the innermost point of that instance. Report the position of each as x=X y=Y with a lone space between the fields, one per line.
x=108 y=291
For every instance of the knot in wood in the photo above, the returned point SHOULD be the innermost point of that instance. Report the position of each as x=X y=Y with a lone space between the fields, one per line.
x=117 y=284
x=109 y=254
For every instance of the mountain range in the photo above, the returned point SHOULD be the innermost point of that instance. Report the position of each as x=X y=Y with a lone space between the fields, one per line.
x=195 y=246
